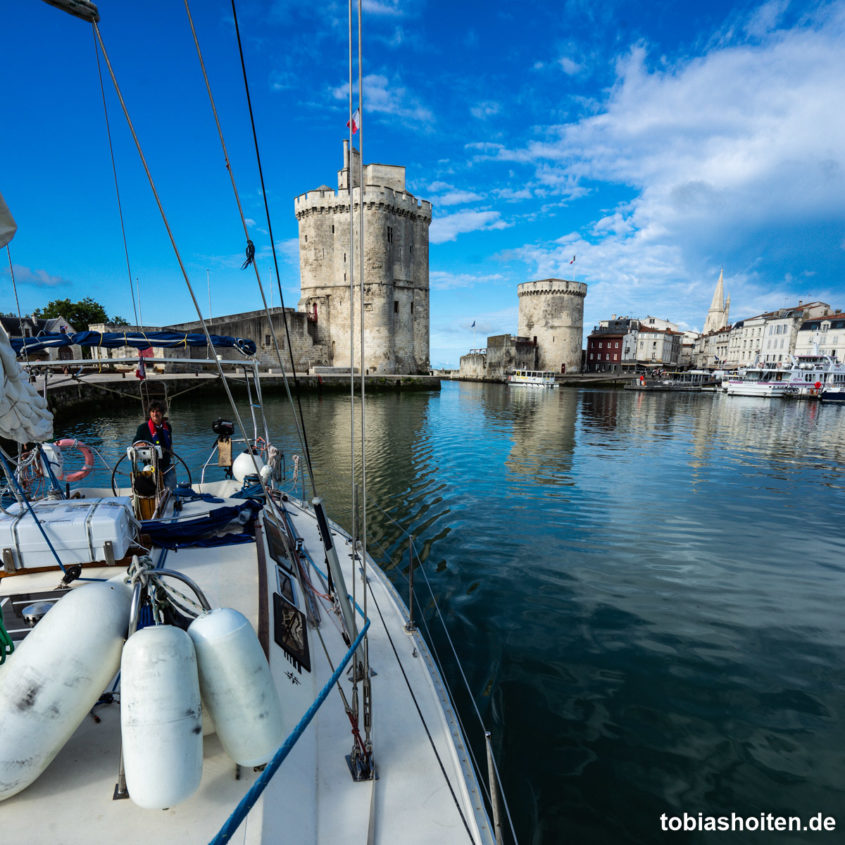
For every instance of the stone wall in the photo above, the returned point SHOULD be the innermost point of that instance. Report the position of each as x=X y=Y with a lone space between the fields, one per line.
x=506 y=353
x=551 y=312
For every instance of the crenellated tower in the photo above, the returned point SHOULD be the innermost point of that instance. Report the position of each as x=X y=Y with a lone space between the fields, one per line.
x=396 y=287
x=551 y=313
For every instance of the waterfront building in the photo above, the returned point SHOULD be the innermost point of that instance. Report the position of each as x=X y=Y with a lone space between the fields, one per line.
x=658 y=347
x=611 y=346
x=823 y=335
x=36 y=326
x=396 y=269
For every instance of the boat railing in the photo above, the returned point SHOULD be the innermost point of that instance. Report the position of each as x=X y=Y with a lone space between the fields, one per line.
x=492 y=784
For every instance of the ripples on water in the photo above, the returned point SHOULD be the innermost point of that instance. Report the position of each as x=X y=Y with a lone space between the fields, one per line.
x=646 y=589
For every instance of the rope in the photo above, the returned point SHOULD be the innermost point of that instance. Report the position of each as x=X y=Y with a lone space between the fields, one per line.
x=248 y=801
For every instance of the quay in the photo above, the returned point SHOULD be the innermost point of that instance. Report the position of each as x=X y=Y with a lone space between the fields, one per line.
x=70 y=394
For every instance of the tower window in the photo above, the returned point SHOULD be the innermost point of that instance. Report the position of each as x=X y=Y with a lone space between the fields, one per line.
x=412 y=307
x=306 y=239
x=412 y=249
x=390 y=234
x=332 y=228
x=395 y=306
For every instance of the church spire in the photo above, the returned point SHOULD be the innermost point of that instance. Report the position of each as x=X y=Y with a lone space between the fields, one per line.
x=717 y=315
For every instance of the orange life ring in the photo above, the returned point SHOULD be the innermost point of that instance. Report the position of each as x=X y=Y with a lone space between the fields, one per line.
x=68 y=443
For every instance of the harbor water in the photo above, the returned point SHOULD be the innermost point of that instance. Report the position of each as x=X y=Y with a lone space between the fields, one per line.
x=645 y=590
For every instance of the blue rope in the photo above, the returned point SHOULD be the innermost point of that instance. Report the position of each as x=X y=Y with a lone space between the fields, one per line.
x=248 y=801
x=14 y=481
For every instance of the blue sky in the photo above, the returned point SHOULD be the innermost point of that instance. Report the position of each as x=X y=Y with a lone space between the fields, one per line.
x=655 y=141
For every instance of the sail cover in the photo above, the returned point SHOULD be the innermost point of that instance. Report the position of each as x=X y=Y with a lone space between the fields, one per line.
x=24 y=417
x=8 y=227
x=139 y=340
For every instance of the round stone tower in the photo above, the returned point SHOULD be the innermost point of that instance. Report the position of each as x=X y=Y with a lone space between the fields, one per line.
x=396 y=289
x=551 y=313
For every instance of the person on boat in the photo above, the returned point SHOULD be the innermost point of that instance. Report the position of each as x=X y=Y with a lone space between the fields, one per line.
x=156 y=429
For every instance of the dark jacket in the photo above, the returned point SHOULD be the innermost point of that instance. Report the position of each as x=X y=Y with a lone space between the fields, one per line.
x=163 y=437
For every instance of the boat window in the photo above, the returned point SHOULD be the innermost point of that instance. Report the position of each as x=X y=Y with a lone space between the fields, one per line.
x=278 y=542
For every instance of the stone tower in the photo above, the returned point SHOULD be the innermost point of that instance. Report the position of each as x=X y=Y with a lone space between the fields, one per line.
x=551 y=312
x=719 y=312
x=396 y=292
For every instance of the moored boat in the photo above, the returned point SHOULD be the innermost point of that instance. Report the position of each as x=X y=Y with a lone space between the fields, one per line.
x=211 y=651
x=532 y=378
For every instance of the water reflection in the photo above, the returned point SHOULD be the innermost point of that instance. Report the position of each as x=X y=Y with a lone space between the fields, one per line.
x=644 y=587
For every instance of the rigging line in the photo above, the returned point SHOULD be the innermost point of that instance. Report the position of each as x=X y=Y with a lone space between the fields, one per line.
x=363 y=505
x=226 y=387
x=300 y=431
x=114 y=172
x=368 y=588
x=275 y=257
x=18 y=304
x=351 y=315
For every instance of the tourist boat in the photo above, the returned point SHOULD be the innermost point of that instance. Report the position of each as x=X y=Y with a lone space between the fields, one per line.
x=766 y=381
x=811 y=373
x=834 y=391
x=805 y=376
x=211 y=663
x=532 y=378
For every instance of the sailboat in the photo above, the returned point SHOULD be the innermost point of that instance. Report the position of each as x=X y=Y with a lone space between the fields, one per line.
x=215 y=662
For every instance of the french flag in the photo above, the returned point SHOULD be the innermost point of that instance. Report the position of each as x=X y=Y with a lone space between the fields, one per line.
x=354 y=122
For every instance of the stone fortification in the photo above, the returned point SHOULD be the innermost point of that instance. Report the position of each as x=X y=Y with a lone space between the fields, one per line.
x=551 y=313
x=396 y=287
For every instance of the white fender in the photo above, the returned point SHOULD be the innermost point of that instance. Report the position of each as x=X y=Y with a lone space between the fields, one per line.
x=55 y=676
x=243 y=465
x=237 y=686
x=160 y=717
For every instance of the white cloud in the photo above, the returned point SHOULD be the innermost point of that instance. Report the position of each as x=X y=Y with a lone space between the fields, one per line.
x=721 y=152
x=568 y=66
x=448 y=227
x=386 y=96
x=443 y=280
x=485 y=109
x=36 y=278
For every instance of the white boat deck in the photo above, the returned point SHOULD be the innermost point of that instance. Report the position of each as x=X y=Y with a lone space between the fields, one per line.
x=426 y=790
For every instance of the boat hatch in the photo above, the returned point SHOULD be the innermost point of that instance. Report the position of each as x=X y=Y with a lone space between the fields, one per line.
x=16 y=609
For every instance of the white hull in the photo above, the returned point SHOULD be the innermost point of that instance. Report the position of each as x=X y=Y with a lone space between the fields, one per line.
x=426 y=788
x=767 y=390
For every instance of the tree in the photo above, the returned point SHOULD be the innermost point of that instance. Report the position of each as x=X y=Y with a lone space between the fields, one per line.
x=79 y=314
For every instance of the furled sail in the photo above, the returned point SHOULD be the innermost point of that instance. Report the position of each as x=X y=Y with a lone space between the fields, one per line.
x=8 y=227
x=24 y=417
x=140 y=340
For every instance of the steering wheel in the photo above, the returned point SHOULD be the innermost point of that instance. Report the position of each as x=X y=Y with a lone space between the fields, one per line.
x=128 y=475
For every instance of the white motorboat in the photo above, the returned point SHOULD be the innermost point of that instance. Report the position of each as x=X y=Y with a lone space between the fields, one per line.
x=766 y=382
x=532 y=378
x=218 y=662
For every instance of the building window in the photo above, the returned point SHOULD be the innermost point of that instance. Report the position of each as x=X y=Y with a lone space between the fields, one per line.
x=266 y=339
x=332 y=228
x=412 y=249
x=412 y=307
x=390 y=234
x=395 y=306
x=306 y=239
